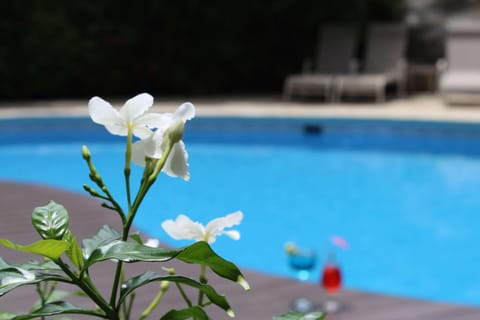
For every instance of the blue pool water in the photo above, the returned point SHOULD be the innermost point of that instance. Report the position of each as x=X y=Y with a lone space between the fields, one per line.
x=404 y=194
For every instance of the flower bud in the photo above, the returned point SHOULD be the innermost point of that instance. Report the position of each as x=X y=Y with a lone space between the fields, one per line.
x=170 y=271
x=175 y=132
x=164 y=286
x=86 y=153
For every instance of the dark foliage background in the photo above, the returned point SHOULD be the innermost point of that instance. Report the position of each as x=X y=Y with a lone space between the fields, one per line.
x=79 y=48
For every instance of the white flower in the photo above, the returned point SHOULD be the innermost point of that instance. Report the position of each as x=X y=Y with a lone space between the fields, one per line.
x=152 y=242
x=185 y=229
x=153 y=146
x=132 y=115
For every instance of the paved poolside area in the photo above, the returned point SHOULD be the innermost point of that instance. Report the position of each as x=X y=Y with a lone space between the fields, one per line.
x=269 y=295
x=414 y=107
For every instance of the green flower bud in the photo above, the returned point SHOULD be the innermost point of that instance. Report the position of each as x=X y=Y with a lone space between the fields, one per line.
x=164 y=286
x=171 y=271
x=175 y=132
x=86 y=153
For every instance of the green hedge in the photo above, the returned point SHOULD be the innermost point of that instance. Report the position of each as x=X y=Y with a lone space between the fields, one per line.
x=80 y=48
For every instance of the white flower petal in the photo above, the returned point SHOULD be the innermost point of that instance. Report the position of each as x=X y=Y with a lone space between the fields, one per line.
x=183 y=229
x=234 y=234
x=176 y=164
x=185 y=112
x=138 y=153
x=102 y=112
x=142 y=149
x=136 y=106
x=141 y=132
x=152 y=242
x=216 y=226
x=117 y=129
x=154 y=120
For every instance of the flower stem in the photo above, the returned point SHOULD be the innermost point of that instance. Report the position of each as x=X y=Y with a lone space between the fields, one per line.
x=116 y=282
x=128 y=159
x=147 y=183
x=127 y=308
x=126 y=171
x=41 y=293
x=183 y=294
x=95 y=177
x=159 y=165
x=164 y=285
x=89 y=289
x=203 y=279
x=133 y=208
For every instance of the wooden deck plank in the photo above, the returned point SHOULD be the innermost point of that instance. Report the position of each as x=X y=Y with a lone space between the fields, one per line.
x=269 y=295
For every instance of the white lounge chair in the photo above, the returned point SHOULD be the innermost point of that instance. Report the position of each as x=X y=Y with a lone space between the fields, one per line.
x=384 y=64
x=334 y=56
x=459 y=80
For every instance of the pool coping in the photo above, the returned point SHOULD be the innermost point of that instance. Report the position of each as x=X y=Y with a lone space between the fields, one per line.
x=426 y=107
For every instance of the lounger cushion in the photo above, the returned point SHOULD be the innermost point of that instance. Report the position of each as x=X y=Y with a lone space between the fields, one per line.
x=363 y=82
x=311 y=84
x=307 y=79
x=460 y=81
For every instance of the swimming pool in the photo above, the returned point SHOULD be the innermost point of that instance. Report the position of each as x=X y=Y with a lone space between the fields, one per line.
x=404 y=194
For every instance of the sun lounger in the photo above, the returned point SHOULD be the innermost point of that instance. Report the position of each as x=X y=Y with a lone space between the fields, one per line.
x=384 y=64
x=459 y=81
x=334 y=56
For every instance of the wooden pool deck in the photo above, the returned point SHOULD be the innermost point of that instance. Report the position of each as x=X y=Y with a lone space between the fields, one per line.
x=269 y=295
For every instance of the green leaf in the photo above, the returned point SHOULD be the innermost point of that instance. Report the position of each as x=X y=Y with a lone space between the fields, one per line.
x=136 y=237
x=4 y=264
x=74 y=252
x=31 y=265
x=198 y=253
x=9 y=276
x=49 y=248
x=148 y=277
x=55 y=308
x=104 y=236
x=292 y=315
x=6 y=315
x=12 y=278
x=129 y=252
x=196 y=313
x=58 y=295
x=201 y=253
x=51 y=221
